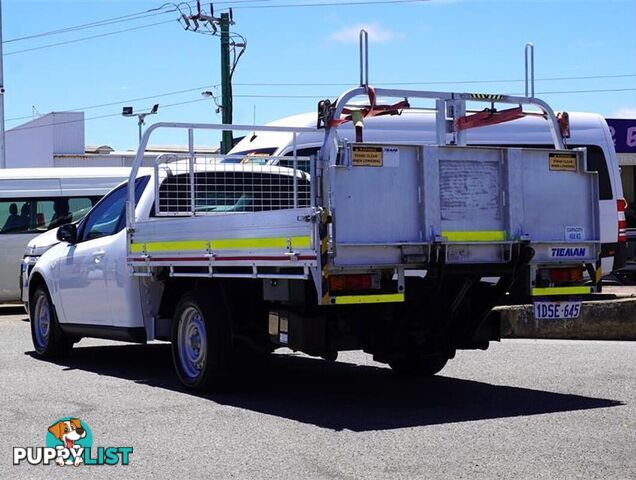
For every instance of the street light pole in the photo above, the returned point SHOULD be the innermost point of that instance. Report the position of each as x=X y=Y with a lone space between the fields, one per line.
x=141 y=117
x=3 y=160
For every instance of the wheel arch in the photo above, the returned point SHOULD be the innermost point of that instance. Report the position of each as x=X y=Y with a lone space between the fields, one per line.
x=37 y=280
x=174 y=289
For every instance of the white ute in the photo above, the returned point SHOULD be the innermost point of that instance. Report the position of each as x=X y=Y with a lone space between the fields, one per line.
x=379 y=245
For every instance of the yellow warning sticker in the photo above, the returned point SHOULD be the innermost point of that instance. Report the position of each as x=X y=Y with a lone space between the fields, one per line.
x=564 y=162
x=366 y=156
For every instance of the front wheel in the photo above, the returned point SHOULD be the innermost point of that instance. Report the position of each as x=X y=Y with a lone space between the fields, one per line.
x=49 y=341
x=201 y=340
x=415 y=365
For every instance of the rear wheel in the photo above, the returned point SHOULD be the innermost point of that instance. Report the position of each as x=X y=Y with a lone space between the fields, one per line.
x=201 y=341
x=49 y=341
x=417 y=365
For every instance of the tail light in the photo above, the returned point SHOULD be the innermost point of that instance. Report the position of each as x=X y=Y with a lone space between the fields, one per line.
x=347 y=283
x=621 y=206
x=566 y=275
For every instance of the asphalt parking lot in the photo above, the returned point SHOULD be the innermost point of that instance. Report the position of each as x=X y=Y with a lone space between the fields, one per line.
x=522 y=409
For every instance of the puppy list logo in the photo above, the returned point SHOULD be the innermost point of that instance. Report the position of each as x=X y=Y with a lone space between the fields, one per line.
x=69 y=441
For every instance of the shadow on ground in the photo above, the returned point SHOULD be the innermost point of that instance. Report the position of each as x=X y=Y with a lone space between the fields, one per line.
x=337 y=395
x=12 y=310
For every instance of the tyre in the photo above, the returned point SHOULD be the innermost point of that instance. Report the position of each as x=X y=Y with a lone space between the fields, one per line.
x=415 y=365
x=49 y=341
x=201 y=340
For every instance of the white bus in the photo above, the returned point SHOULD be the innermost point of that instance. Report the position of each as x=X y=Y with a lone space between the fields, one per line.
x=35 y=200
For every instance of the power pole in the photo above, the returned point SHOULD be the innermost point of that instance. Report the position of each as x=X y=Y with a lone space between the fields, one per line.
x=214 y=24
x=3 y=160
x=226 y=85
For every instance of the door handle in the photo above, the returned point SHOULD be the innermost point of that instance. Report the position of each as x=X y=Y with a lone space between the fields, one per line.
x=98 y=255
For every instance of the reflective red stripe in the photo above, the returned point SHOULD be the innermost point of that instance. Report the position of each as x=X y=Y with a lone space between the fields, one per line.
x=621 y=206
x=217 y=259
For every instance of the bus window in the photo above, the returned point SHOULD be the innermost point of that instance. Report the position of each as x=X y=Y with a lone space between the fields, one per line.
x=36 y=215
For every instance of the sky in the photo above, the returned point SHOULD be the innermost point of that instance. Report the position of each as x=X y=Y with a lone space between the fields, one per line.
x=585 y=56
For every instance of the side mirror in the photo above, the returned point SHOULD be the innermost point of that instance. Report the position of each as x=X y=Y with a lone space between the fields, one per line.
x=67 y=233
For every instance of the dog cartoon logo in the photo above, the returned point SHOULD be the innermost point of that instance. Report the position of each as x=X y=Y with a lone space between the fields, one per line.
x=69 y=441
x=68 y=431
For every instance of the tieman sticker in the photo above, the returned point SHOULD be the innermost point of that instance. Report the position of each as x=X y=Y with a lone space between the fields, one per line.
x=568 y=252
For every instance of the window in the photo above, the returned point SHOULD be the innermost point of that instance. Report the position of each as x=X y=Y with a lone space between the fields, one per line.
x=258 y=156
x=37 y=215
x=301 y=152
x=596 y=162
x=107 y=218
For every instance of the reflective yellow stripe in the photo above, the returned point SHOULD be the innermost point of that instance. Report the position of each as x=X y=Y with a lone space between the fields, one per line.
x=477 y=236
x=537 y=292
x=168 y=246
x=387 y=298
x=223 y=244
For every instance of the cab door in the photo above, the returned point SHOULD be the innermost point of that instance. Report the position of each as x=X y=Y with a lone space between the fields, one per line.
x=93 y=269
x=82 y=268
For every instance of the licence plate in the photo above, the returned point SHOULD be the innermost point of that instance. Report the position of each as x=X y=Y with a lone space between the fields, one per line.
x=556 y=310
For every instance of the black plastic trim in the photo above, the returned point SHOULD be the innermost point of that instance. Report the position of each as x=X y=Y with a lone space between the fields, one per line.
x=619 y=253
x=124 y=334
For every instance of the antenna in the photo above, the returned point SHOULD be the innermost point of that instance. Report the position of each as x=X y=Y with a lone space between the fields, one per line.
x=530 y=48
x=253 y=123
x=364 y=58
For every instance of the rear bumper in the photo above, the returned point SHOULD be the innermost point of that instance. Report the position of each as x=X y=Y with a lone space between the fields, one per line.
x=550 y=291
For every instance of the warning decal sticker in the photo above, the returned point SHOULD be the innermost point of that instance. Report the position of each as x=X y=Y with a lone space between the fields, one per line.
x=564 y=162
x=366 y=156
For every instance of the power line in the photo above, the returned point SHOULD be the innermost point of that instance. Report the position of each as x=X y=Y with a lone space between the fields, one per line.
x=202 y=87
x=122 y=18
x=108 y=115
x=120 y=102
x=88 y=38
x=606 y=90
x=100 y=23
x=439 y=82
x=108 y=22
x=153 y=12
x=98 y=117
x=329 y=4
